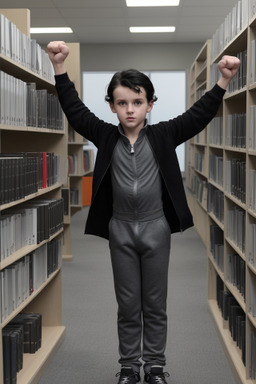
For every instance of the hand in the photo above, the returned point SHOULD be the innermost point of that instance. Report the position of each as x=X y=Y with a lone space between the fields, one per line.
x=228 y=67
x=58 y=52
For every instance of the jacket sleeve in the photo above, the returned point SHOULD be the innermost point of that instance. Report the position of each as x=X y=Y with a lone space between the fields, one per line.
x=81 y=119
x=198 y=116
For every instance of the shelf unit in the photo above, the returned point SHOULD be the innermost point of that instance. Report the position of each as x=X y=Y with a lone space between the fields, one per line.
x=47 y=298
x=75 y=141
x=197 y=171
x=78 y=149
x=221 y=163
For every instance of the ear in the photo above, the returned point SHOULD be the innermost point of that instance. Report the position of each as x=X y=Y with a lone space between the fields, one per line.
x=150 y=106
x=112 y=107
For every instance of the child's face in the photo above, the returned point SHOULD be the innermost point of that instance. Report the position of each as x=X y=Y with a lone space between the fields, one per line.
x=131 y=108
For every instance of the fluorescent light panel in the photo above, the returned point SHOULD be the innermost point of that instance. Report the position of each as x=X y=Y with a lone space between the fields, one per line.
x=51 y=30
x=152 y=3
x=152 y=29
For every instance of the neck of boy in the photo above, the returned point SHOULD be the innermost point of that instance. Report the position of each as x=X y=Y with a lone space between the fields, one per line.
x=133 y=139
x=132 y=134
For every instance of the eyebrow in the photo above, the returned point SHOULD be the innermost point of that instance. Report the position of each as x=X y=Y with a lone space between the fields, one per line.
x=123 y=99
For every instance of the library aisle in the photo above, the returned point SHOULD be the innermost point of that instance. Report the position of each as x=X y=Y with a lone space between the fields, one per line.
x=89 y=351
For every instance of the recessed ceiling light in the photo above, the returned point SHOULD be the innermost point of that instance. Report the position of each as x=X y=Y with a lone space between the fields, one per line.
x=152 y=29
x=51 y=30
x=152 y=3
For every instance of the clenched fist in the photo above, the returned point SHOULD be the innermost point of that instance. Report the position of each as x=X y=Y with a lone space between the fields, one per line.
x=58 y=52
x=228 y=67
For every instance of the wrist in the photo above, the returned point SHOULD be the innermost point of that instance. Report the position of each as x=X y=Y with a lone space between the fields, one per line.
x=223 y=82
x=59 y=68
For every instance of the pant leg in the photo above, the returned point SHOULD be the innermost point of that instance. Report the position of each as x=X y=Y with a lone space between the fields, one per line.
x=127 y=280
x=154 y=265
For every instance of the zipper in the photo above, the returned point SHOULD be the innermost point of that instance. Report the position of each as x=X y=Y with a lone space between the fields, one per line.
x=135 y=181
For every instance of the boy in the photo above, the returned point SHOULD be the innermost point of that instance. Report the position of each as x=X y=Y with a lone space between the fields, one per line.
x=138 y=200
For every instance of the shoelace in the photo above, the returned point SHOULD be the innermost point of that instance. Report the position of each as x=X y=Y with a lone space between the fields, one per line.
x=126 y=379
x=159 y=378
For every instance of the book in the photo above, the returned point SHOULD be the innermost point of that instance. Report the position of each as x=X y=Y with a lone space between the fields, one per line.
x=24 y=50
x=235 y=180
x=236 y=272
x=234 y=22
x=22 y=174
x=215 y=202
x=236 y=227
x=23 y=277
x=236 y=130
x=217 y=245
x=22 y=335
x=252 y=244
x=216 y=131
x=24 y=105
x=65 y=196
x=216 y=169
x=252 y=366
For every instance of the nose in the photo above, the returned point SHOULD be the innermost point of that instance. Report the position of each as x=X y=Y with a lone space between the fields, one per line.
x=130 y=108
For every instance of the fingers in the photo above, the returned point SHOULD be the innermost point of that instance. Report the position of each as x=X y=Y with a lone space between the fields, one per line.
x=229 y=62
x=58 y=47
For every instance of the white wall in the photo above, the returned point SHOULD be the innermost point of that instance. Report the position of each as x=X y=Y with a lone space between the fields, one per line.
x=170 y=88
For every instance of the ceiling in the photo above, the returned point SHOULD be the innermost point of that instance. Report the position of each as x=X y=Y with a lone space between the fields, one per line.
x=108 y=21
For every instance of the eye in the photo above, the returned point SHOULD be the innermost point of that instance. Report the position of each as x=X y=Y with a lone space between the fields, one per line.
x=121 y=103
x=138 y=102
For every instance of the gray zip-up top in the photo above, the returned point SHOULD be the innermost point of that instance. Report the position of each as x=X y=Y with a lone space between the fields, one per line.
x=136 y=181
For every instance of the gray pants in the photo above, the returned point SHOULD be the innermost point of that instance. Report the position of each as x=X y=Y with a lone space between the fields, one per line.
x=140 y=252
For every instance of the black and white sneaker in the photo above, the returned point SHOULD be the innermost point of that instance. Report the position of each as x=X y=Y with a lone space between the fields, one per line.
x=128 y=376
x=156 y=376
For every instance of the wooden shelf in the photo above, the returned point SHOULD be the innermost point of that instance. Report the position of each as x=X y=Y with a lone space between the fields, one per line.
x=12 y=67
x=30 y=299
x=47 y=297
x=25 y=251
x=34 y=364
x=5 y=127
x=77 y=143
x=39 y=193
x=234 y=358
x=237 y=101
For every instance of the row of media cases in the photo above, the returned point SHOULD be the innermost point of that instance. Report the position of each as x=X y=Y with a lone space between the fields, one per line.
x=31 y=204
x=232 y=241
x=21 y=106
x=31 y=230
x=33 y=227
x=221 y=174
x=31 y=241
x=224 y=183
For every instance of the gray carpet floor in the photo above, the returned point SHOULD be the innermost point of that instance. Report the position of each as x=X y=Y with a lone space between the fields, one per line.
x=89 y=353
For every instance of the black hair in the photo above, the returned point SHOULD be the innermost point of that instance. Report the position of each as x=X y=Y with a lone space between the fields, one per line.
x=132 y=79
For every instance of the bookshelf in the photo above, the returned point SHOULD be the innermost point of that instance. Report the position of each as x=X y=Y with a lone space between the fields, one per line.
x=17 y=137
x=197 y=150
x=221 y=166
x=80 y=153
x=75 y=141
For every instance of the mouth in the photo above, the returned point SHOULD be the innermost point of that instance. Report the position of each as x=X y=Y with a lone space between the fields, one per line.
x=130 y=118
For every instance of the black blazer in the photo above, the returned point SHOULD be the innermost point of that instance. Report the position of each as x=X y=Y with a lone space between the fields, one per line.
x=163 y=137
